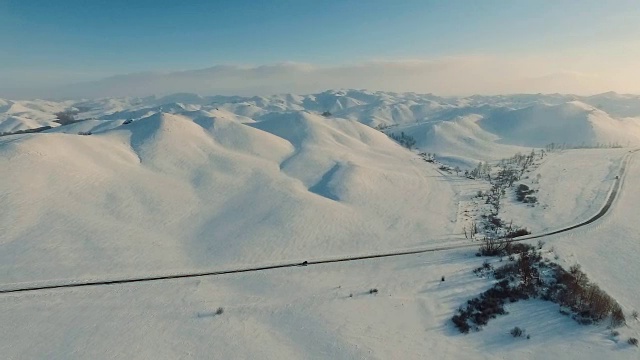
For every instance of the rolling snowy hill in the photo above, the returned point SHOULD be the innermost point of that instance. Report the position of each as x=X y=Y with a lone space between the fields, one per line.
x=451 y=126
x=573 y=122
x=21 y=115
x=168 y=192
x=141 y=187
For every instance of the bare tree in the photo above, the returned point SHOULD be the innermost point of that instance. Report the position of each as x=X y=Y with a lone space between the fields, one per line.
x=65 y=117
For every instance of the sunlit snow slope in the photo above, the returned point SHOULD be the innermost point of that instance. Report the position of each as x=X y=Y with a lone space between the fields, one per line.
x=170 y=193
x=529 y=120
x=191 y=183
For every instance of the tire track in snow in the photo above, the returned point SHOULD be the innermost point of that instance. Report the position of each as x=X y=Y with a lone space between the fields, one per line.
x=613 y=193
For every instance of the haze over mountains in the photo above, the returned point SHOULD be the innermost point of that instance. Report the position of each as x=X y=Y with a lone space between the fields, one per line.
x=451 y=76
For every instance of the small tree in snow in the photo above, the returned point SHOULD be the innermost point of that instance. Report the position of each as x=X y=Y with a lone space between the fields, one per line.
x=517 y=332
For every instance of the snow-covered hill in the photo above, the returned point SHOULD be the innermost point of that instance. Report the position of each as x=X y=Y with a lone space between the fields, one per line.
x=22 y=115
x=169 y=192
x=439 y=124
x=189 y=183
x=574 y=122
x=460 y=141
x=230 y=160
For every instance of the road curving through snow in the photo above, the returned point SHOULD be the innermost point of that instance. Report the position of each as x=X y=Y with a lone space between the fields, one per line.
x=613 y=193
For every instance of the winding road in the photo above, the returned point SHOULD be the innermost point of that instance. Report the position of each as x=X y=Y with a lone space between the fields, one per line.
x=613 y=193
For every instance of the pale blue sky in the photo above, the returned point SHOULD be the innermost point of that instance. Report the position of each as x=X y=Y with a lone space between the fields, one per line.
x=48 y=42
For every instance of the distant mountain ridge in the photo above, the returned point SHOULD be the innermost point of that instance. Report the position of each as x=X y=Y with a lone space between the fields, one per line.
x=452 y=126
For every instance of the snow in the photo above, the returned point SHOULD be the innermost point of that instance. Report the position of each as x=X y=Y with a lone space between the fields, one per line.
x=608 y=250
x=16 y=123
x=22 y=115
x=572 y=187
x=460 y=141
x=520 y=120
x=573 y=122
x=296 y=313
x=167 y=193
x=196 y=183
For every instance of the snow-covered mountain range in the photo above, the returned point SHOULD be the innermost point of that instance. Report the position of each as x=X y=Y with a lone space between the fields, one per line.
x=524 y=120
x=188 y=183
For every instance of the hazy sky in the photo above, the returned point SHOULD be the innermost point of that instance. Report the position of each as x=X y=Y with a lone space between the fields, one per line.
x=447 y=47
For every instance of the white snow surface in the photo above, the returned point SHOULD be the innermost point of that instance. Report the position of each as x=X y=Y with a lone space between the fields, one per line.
x=573 y=185
x=314 y=312
x=194 y=183
x=22 y=115
x=476 y=121
x=168 y=193
x=608 y=250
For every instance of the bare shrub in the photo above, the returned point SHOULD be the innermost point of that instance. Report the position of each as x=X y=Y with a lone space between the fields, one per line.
x=517 y=332
x=65 y=117
x=617 y=316
x=494 y=246
x=522 y=279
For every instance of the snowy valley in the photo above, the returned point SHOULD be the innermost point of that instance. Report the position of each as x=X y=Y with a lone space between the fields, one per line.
x=315 y=186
